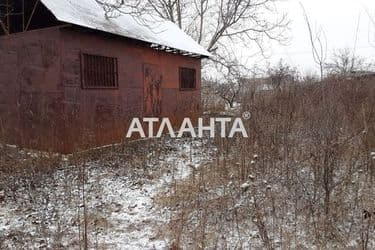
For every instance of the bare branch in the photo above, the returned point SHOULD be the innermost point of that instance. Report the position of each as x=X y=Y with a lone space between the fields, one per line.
x=372 y=21
x=318 y=42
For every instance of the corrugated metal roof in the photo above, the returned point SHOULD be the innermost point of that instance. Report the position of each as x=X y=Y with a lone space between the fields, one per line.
x=89 y=14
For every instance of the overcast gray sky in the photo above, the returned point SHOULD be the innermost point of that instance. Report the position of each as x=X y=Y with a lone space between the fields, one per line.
x=339 y=20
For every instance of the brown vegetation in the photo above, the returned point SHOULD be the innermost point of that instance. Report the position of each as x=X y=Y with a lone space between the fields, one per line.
x=302 y=179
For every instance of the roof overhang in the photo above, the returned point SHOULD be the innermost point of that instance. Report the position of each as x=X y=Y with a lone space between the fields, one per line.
x=159 y=34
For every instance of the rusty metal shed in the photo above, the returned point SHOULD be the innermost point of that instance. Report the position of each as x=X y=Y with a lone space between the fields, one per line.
x=71 y=79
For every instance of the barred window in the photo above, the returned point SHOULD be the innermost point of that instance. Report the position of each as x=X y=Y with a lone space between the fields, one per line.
x=187 y=79
x=99 y=72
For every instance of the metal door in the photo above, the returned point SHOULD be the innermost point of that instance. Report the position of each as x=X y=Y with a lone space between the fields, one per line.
x=152 y=80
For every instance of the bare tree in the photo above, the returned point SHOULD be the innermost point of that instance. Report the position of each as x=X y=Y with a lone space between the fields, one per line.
x=282 y=74
x=344 y=62
x=217 y=25
x=318 y=42
x=229 y=91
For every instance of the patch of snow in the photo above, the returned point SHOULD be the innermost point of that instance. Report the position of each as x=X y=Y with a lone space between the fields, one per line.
x=245 y=185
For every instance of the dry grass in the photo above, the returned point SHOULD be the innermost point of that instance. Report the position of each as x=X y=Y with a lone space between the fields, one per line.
x=302 y=179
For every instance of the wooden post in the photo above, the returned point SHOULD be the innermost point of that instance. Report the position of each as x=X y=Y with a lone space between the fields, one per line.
x=31 y=15
x=23 y=15
x=8 y=16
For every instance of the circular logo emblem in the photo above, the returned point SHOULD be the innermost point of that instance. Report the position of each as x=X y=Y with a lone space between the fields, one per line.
x=246 y=115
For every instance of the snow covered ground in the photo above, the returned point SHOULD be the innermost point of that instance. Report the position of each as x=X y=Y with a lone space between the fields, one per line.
x=164 y=193
x=47 y=210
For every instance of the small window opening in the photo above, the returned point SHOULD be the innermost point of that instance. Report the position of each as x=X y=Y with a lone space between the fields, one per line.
x=187 y=79
x=99 y=72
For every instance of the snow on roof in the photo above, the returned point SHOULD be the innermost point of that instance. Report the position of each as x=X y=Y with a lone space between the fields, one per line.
x=89 y=14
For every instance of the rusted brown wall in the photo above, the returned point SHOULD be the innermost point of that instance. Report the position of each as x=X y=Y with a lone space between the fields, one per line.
x=31 y=99
x=43 y=68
